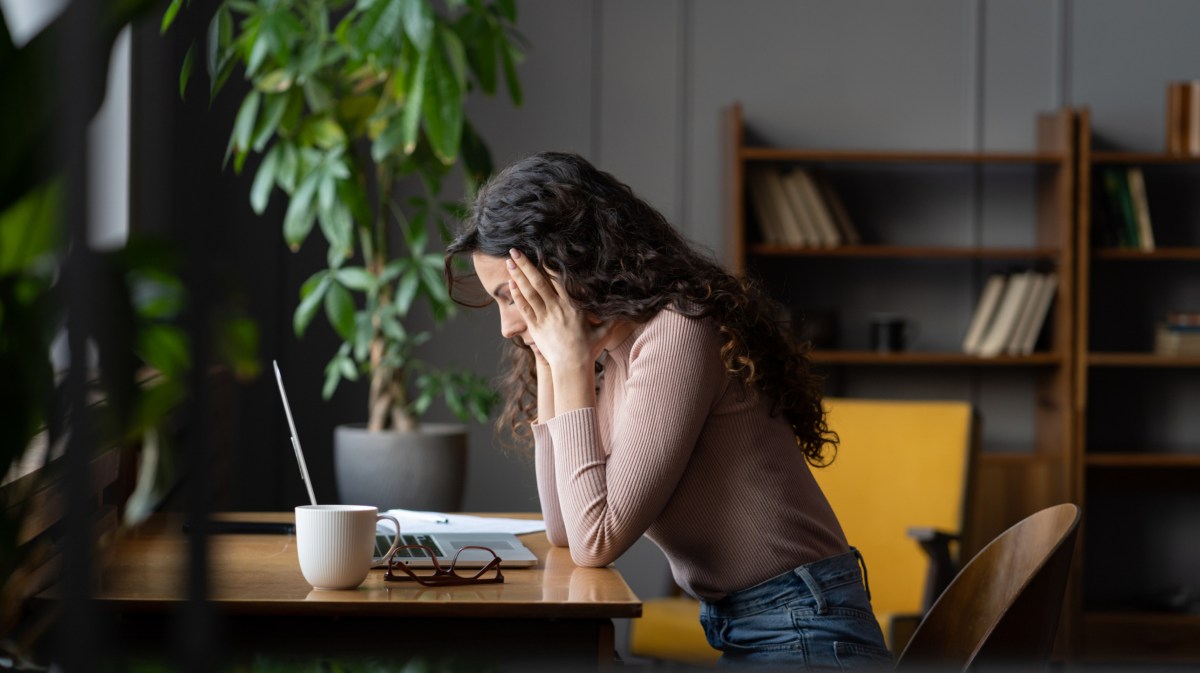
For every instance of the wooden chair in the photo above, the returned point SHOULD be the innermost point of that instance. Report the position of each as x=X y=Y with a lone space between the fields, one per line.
x=1002 y=610
x=901 y=472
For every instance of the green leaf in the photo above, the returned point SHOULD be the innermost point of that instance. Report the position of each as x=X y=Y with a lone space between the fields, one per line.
x=348 y=370
x=477 y=159
x=407 y=290
x=298 y=221
x=392 y=271
x=509 y=56
x=339 y=308
x=483 y=51
x=413 y=104
x=258 y=53
x=364 y=330
x=418 y=22
x=507 y=9
x=185 y=71
x=276 y=81
x=243 y=125
x=356 y=278
x=165 y=347
x=337 y=226
x=442 y=109
x=169 y=16
x=332 y=376
x=389 y=139
x=264 y=180
x=30 y=228
x=219 y=31
x=384 y=19
x=311 y=295
x=456 y=56
x=393 y=328
x=269 y=121
x=322 y=132
x=289 y=166
x=317 y=96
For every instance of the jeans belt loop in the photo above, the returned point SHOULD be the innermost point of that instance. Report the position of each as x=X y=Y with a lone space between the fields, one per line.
x=862 y=564
x=813 y=588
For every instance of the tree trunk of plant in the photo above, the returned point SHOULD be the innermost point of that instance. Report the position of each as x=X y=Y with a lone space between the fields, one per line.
x=387 y=402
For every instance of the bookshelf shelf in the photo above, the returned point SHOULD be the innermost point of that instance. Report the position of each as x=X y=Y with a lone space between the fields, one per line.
x=1143 y=460
x=1101 y=359
x=919 y=358
x=1180 y=253
x=1142 y=158
x=904 y=252
x=773 y=154
x=1117 y=475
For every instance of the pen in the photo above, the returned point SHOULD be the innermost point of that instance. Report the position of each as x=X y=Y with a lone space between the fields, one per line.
x=426 y=516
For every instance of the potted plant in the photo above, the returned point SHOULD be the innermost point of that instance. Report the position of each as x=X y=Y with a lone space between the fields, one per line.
x=350 y=103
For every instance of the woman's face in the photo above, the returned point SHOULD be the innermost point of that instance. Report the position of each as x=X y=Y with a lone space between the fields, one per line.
x=493 y=275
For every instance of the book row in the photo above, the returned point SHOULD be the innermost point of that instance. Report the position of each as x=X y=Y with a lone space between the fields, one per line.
x=797 y=207
x=1179 y=334
x=1121 y=217
x=1010 y=313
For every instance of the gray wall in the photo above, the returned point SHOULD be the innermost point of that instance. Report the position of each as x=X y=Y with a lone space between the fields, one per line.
x=639 y=87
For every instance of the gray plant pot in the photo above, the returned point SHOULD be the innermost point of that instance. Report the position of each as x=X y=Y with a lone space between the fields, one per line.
x=423 y=470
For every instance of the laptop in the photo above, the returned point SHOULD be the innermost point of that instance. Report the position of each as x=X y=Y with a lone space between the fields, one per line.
x=512 y=553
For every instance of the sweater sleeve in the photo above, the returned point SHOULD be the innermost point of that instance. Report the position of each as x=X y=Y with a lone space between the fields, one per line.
x=611 y=495
x=543 y=456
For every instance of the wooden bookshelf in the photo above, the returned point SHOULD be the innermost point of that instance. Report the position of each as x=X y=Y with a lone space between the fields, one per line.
x=1012 y=480
x=1135 y=459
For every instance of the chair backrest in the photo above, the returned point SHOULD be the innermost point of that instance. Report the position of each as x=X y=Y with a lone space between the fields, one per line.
x=1003 y=607
x=900 y=464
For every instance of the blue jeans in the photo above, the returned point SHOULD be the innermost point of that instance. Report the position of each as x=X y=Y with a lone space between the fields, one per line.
x=817 y=617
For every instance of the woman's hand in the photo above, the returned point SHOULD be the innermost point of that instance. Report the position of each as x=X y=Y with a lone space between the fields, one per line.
x=561 y=333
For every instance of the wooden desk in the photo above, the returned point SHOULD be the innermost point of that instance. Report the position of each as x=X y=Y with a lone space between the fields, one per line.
x=555 y=613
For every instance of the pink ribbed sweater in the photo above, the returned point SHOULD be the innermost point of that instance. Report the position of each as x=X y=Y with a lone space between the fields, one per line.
x=675 y=450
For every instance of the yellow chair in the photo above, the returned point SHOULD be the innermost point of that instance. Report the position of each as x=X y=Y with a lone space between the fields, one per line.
x=900 y=473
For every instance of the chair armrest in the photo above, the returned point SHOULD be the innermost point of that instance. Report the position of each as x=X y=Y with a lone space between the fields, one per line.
x=942 y=567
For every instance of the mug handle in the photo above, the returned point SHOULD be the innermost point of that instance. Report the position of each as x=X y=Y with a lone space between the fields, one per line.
x=396 y=540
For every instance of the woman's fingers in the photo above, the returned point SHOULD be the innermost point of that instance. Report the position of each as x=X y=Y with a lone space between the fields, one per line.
x=531 y=283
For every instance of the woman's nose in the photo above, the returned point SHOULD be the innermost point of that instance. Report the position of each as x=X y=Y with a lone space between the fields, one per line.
x=510 y=322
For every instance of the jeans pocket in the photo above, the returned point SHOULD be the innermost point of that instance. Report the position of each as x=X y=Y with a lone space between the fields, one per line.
x=759 y=634
x=861 y=657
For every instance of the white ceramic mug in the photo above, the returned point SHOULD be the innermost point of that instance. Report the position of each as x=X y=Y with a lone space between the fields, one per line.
x=336 y=543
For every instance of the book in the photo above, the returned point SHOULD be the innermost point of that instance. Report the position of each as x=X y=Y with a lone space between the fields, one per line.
x=1141 y=207
x=764 y=205
x=1000 y=329
x=1041 y=310
x=802 y=225
x=985 y=308
x=804 y=187
x=1025 y=316
x=1176 y=341
x=846 y=229
x=1121 y=205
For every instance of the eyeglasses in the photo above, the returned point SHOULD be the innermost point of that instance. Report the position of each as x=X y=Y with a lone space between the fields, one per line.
x=437 y=576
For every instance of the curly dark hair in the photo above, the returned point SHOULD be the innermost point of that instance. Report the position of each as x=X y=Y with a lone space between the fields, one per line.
x=618 y=257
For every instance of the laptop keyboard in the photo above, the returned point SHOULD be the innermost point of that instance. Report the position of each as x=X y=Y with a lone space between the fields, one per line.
x=384 y=542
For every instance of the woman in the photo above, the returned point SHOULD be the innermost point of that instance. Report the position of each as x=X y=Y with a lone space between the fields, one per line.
x=664 y=397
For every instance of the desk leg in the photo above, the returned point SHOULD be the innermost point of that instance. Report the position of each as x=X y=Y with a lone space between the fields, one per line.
x=606 y=643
